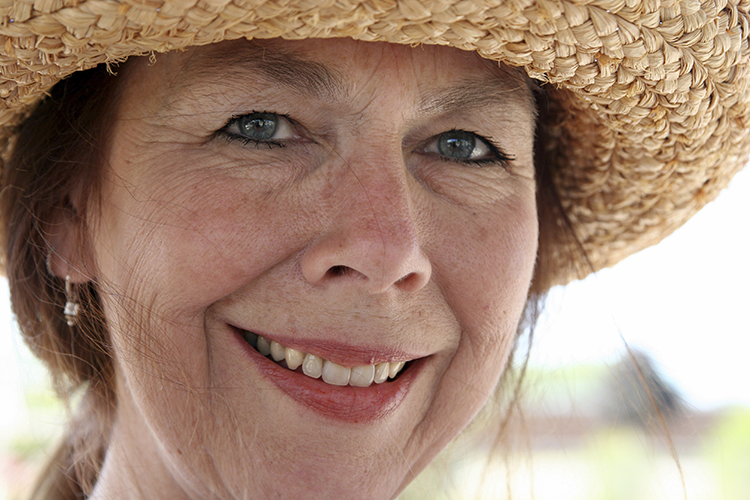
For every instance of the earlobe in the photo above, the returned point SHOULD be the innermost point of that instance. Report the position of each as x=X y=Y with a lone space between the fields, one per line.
x=65 y=253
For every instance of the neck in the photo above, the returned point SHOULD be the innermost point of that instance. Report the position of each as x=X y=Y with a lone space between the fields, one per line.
x=134 y=467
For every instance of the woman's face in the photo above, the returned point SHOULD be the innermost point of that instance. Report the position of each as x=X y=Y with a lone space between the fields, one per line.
x=358 y=203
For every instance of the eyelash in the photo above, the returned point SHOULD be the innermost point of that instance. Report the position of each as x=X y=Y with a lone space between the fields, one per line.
x=497 y=156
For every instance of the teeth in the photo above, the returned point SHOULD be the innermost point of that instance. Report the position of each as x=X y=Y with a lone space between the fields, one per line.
x=294 y=358
x=381 y=373
x=335 y=374
x=395 y=368
x=277 y=351
x=317 y=367
x=312 y=366
x=362 y=376
x=264 y=347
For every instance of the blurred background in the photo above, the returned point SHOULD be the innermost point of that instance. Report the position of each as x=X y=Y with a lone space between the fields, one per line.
x=673 y=318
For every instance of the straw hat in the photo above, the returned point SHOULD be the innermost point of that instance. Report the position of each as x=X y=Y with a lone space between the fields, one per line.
x=654 y=93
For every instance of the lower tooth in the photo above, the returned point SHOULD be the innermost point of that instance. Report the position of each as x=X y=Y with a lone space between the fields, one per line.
x=312 y=366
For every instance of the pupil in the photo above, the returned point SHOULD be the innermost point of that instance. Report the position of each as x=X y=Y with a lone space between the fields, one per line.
x=457 y=144
x=259 y=126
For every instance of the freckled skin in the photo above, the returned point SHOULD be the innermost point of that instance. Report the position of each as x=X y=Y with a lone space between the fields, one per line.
x=195 y=232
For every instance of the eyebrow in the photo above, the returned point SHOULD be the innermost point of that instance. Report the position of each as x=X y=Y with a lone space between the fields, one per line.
x=479 y=93
x=273 y=63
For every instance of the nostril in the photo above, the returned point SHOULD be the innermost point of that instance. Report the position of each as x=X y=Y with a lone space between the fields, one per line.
x=404 y=279
x=339 y=271
x=337 y=260
x=412 y=282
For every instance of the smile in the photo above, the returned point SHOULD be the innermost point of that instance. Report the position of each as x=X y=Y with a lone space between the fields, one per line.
x=316 y=367
x=329 y=388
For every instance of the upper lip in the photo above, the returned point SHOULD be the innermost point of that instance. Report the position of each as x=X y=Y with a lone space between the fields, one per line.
x=341 y=353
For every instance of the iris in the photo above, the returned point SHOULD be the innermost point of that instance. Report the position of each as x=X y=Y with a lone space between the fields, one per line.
x=457 y=144
x=259 y=126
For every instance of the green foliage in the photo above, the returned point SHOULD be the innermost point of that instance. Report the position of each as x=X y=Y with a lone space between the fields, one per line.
x=728 y=452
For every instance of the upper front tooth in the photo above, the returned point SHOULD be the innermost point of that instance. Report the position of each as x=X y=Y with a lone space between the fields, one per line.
x=312 y=366
x=395 y=368
x=335 y=374
x=362 y=376
x=294 y=358
x=264 y=346
x=277 y=351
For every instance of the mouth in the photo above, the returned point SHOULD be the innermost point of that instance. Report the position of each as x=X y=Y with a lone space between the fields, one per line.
x=356 y=394
x=317 y=367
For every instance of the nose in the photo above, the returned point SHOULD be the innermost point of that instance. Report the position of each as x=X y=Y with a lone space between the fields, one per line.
x=372 y=242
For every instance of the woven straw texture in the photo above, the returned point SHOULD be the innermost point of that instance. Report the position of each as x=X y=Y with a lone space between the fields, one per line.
x=655 y=92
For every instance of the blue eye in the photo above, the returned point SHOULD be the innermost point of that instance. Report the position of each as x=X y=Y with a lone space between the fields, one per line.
x=260 y=129
x=457 y=144
x=258 y=126
x=466 y=147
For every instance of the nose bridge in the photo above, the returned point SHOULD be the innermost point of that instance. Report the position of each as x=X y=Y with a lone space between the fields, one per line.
x=374 y=238
x=381 y=205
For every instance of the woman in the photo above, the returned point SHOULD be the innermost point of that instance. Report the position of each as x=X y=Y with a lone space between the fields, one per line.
x=297 y=267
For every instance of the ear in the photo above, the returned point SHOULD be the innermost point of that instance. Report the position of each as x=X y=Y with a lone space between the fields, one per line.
x=66 y=241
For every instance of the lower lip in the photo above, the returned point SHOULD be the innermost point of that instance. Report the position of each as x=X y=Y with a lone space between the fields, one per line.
x=345 y=403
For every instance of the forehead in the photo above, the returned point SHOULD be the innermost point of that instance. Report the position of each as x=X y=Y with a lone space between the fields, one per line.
x=336 y=69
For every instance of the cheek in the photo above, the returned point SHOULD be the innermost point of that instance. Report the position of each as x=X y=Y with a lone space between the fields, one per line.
x=194 y=242
x=165 y=254
x=489 y=260
x=484 y=264
x=487 y=268
x=167 y=250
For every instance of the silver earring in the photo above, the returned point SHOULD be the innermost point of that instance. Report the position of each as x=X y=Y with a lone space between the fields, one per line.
x=71 y=304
